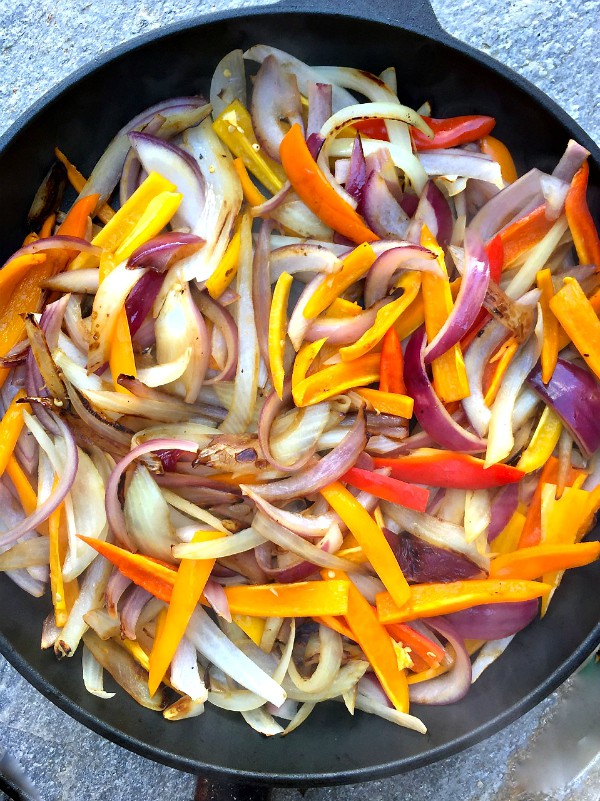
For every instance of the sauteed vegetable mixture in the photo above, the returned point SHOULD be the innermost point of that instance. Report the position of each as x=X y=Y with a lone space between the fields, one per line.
x=300 y=398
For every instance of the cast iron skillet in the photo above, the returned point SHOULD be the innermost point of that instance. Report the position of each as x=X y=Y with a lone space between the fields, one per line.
x=80 y=117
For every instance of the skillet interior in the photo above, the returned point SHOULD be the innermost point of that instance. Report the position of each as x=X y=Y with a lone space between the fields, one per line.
x=331 y=747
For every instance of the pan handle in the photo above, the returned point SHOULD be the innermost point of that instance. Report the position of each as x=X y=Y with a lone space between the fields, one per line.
x=415 y=15
x=222 y=790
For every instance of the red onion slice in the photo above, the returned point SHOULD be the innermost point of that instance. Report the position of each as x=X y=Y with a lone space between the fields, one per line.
x=428 y=408
x=381 y=210
x=573 y=393
x=319 y=106
x=270 y=410
x=453 y=685
x=511 y=203
x=474 y=285
x=164 y=251
x=493 y=621
x=136 y=600
x=504 y=506
x=330 y=468
x=570 y=162
x=224 y=322
x=403 y=255
x=141 y=299
x=357 y=173
x=423 y=562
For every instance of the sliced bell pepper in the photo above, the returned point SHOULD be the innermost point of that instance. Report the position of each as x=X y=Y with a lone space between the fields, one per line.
x=426 y=649
x=500 y=153
x=228 y=266
x=578 y=318
x=122 y=358
x=385 y=318
x=21 y=483
x=77 y=181
x=252 y=626
x=549 y=355
x=76 y=221
x=63 y=592
x=158 y=213
x=388 y=489
x=581 y=222
x=508 y=539
x=448 y=132
x=190 y=581
x=520 y=236
x=278 y=330
x=336 y=379
x=316 y=192
x=11 y=426
x=534 y=562
x=302 y=599
x=370 y=537
x=500 y=365
x=437 y=468
x=337 y=624
x=388 y=402
x=16 y=269
x=411 y=319
x=234 y=127
x=544 y=440
x=354 y=266
x=391 y=371
x=343 y=308
x=252 y=194
x=449 y=372
x=430 y=600
x=304 y=359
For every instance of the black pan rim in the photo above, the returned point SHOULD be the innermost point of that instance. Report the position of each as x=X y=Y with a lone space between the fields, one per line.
x=589 y=644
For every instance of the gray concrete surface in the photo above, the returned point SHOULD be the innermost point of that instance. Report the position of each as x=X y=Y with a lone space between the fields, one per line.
x=554 y=43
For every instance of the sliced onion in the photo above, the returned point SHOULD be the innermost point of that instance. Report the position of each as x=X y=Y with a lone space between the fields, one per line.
x=555 y=192
x=298 y=324
x=141 y=299
x=570 y=162
x=453 y=685
x=185 y=675
x=473 y=287
x=403 y=719
x=216 y=597
x=428 y=409
x=494 y=621
x=261 y=288
x=303 y=524
x=455 y=161
x=31 y=552
x=330 y=468
x=319 y=106
x=164 y=250
x=573 y=394
x=434 y=212
x=504 y=506
x=488 y=655
x=217 y=549
x=57 y=242
x=344 y=330
x=423 y=562
x=403 y=255
x=347 y=677
x=303 y=434
x=381 y=210
x=509 y=204
x=276 y=105
x=228 y=82
x=303 y=257
x=135 y=601
x=147 y=516
x=93 y=675
x=331 y=652
x=272 y=406
x=83 y=281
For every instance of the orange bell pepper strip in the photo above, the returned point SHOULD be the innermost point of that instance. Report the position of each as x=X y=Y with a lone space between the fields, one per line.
x=431 y=653
x=304 y=360
x=500 y=153
x=388 y=489
x=388 y=402
x=375 y=642
x=337 y=624
x=316 y=192
x=429 y=600
x=534 y=562
x=336 y=379
x=11 y=426
x=520 y=236
x=76 y=221
x=47 y=226
x=63 y=592
x=21 y=483
x=302 y=599
x=154 y=576
x=449 y=372
x=578 y=318
x=278 y=331
x=355 y=265
x=549 y=355
x=16 y=269
x=438 y=468
x=77 y=181
x=252 y=195
x=499 y=365
x=391 y=370
x=190 y=581
x=385 y=318
x=370 y=537
x=581 y=223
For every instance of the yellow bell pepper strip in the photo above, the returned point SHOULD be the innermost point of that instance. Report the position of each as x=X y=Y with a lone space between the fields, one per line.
x=388 y=402
x=252 y=195
x=534 y=562
x=228 y=266
x=190 y=581
x=11 y=426
x=429 y=600
x=391 y=370
x=549 y=355
x=234 y=127
x=500 y=153
x=122 y=359
x=385 y=318
x=581 y=223
x=151 y=574
x=304 y=359
x=252 y=626
x=77 y=181
x=578 y=318
x=278 y=331
x=57 y=589
x=371 y=539
x=316 y=192
x=544 y=440
x=302 y=599
x=157 y=214
x=21 y=483
x=508 y=539
x=411 y=496
x=520 y=236
x=343 y=308
x=438 y=468
x=502 y=361
x=337 y=379
x=356 y=264
x=449 y=372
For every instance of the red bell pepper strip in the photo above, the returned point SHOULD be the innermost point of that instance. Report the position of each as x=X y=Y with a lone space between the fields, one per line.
x=388 y=489
x=448 y=132
x=523 y=234
x=316 y=192
x=430 y=652
x=495 y=253
x=437 y=468
x=583 y=230
x=391 y=377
